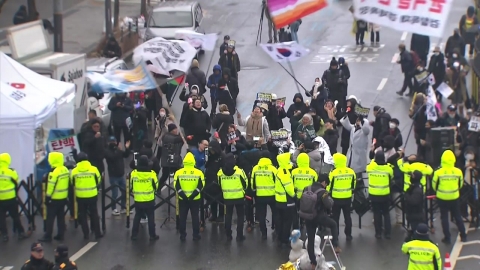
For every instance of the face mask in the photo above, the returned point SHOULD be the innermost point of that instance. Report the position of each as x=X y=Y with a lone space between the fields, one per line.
x=455 y=55
x=392 y=125
x=469 y=156
x=437 y=53
x=194 y=92
x=451 y=115
x=317 y=83
x=162 y=114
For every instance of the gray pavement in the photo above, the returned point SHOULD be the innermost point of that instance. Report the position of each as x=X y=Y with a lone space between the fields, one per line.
x=375 y=79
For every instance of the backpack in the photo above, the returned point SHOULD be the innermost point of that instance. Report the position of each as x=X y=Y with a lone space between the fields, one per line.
x=308 y=203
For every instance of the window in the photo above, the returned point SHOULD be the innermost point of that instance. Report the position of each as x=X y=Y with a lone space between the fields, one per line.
x=171 y=19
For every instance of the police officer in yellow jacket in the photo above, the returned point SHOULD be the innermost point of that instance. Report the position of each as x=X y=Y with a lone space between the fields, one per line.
x=232 y=181
x=380 y=175
x=423 y=253
x=85 y=181
x=343 y=181
x=56 y=194
x=144 y=185
x=189 y=182
x=302 y=176
x=8 y=197
x=447 y=182
x=285 y=199
x=408 y=165
x=263 y=186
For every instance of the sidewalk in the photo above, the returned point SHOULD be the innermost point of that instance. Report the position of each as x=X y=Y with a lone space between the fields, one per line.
x=83 y=26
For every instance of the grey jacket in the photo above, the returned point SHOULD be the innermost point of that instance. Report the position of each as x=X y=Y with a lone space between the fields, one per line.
x=357 y=154
x=315 y=159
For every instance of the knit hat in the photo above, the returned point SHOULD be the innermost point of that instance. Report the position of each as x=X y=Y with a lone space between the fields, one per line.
x=171 y=127
x=422 y=229
x=62 y=250
x=333 y=62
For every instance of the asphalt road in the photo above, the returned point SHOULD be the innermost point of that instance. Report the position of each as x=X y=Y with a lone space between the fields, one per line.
x=375 y=79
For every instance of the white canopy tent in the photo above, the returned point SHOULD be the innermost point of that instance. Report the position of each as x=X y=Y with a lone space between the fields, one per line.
x=28 y=100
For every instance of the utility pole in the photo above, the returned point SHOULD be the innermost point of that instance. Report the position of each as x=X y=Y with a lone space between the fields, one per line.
x=58 y=25
x=108 y=17
x=116 y=13
x=143 y=8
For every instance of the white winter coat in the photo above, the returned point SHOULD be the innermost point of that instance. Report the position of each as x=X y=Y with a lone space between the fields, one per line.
x=357 y=154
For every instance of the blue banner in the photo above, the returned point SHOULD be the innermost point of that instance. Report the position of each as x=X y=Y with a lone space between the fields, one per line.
x=122 y=81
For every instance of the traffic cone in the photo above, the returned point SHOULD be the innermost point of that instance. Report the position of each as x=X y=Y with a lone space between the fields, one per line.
x=447 y=265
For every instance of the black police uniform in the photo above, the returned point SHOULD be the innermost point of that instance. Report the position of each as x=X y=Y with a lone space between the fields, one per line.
x=37 y=264
x=61 y=259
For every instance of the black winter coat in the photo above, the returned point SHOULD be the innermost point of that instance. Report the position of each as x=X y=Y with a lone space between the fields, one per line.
x=221 y=122
x=94 y=147
x=275 y=117
x=176 y=144
x=213 y=165
x=38 y=265
x=198 y=125
x=331 y=137
x=420 y=44
x=120 y=114
x=197 y=77
x=414 y=202
x=115 y=161
x=381 y=124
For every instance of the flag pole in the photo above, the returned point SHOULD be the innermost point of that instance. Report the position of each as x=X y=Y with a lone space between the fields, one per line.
x=293 y=77
x=291 y=70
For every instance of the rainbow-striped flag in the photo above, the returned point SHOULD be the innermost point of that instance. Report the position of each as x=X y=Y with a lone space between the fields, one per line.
x=284 y=12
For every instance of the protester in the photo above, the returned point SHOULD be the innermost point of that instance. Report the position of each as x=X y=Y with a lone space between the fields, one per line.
x=161 y=128
x=212 y=191
x=197 y=77
x=408 y=68
x=94 y=144
x=237 y=144
x=305 y=130
x=198 y=124
x=221 y=123
x=256 y=126
x=468 y=21
x=224 y=45
x=121 y=106
x=228 y=90
x=335 y=80
x=172 y=143
x=352 y=118
x=455 y=41
x=420 y=44
x=112 y=49
x=115 y=156
x=381 y=123
x=296 y=111
x=276 y=114
x=437 y=67
x=213 y=84
x=230 y=60
x=358 y=143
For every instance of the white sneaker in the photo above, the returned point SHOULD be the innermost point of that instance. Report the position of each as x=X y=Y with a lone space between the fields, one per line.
x=115 y=212
x=144 y=220
x=124 y=211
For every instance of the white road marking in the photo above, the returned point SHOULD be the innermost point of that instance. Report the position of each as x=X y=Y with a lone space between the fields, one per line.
x=382 y=84
x=404 y=36
x=395 y=57
x=457 y=248
x=82 y=251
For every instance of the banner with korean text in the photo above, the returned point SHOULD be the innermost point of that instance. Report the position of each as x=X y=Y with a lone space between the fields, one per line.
x=424 y=17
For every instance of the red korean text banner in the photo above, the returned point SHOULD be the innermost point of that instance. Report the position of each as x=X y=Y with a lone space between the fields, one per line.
x=424 y=17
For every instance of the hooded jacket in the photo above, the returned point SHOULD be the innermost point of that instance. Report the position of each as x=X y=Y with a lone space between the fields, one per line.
x=230 y=61
x=379 y=164
x=197 y=77
x=189 y=168
x=445 y=189
x=115 y=160
x=275 y=117
x=303 y=170
x=358 y=144
x=341 y=169
x=214 y=80
x=229 y=168
x=314 y=162
x=455 y=41
x=352 y=117
x=249 y=158
x=296 y=106
x=284 y=182
x=331 y=137
x=85 y=166
x=54 y=186
x=380 y=126
x=228 y=97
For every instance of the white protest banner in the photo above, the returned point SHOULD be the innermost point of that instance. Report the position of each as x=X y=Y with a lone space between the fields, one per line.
x=166 y=55
x=424 y=17
x=199 y=41
x=474 y=124
x=285 y=52
x=445 y=90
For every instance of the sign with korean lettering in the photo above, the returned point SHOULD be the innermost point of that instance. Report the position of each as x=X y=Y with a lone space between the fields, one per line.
x=279 y=137
x=359 y=110
x=264 y=97
x=424 y=17
x=474 y=124
x=63 y=141
x=280 y=102
x=232 y=136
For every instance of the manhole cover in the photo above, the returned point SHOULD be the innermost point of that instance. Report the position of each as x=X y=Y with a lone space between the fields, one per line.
x=252 y=68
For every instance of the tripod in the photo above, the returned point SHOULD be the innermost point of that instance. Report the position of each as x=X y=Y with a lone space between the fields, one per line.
x=169 y=188
x=260 y=25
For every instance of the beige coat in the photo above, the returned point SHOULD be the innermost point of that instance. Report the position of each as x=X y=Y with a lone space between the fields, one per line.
x=161 y=130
